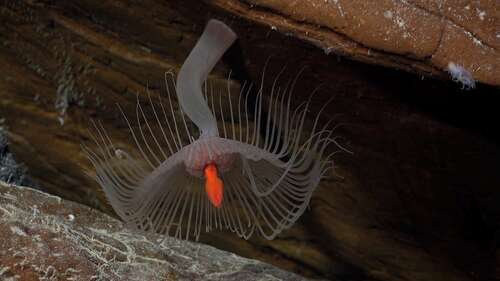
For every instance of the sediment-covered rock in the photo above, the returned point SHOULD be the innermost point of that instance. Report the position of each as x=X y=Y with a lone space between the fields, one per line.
x=418 y=36
x=43 y=237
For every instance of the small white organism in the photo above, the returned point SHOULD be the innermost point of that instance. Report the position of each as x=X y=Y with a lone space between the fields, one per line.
x=460 y=74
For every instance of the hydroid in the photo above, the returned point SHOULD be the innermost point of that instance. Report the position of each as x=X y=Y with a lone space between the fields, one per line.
x=182 y=183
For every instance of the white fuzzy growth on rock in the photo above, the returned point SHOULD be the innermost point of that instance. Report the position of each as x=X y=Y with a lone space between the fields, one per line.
x=460 y=74
x=17 y=231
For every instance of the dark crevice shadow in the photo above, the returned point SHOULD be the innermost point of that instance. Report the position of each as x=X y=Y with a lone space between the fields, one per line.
x=234 y=58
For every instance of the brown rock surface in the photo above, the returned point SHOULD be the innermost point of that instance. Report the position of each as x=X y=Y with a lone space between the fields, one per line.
x=419 y=36
x=43 y=237
x=418 y=199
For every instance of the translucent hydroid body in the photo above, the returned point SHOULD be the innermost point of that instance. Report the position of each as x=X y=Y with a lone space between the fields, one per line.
x=231 y=178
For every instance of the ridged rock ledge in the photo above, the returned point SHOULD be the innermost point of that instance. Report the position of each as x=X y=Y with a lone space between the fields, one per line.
x=43 y=237
x=418 y=36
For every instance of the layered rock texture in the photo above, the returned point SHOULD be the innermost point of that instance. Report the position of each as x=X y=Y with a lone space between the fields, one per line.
x=43 y=237
x=417 y=199
x=419 y=36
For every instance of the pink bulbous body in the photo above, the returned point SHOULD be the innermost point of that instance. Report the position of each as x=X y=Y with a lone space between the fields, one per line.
x=207 y=150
